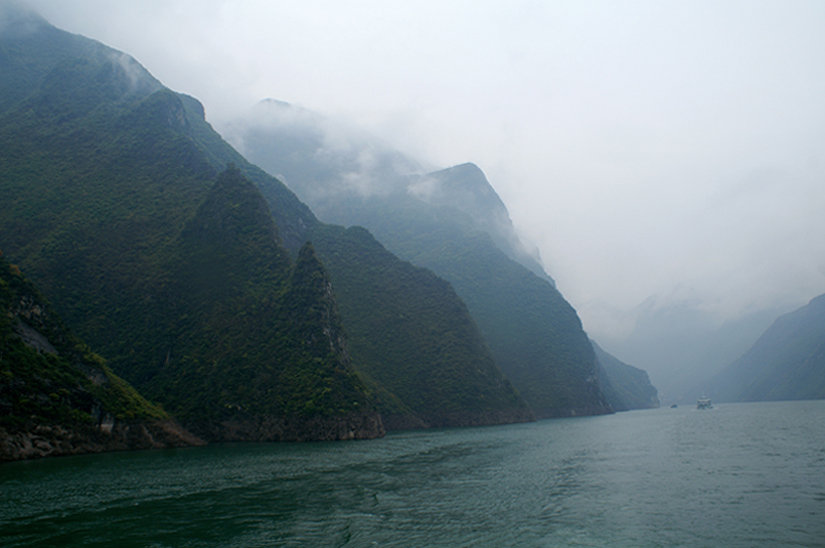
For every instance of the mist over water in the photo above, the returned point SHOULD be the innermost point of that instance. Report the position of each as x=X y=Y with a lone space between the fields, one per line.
x=746 y=475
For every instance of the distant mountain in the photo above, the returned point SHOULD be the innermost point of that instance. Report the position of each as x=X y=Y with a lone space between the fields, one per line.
x=680 y=344
x=59 y=398
x=141 y=224
x=786 y=363
x=335 y=169
x=625 y=387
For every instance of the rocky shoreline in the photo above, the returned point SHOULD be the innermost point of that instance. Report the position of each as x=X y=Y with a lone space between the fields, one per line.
x=566 y=412
x=354 y=426
x=38 y=441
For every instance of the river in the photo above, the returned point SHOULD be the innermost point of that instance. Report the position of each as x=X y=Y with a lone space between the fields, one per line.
x=739 y=475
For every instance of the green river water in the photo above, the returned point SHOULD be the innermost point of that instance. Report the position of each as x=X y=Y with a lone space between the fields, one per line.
x=739 y=475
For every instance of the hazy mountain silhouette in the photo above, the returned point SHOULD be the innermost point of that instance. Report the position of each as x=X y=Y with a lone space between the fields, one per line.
x=786 y=363
x=192 y=276
x=451 y=221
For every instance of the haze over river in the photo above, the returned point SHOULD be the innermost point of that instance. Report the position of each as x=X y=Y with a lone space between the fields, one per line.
x=739 y=475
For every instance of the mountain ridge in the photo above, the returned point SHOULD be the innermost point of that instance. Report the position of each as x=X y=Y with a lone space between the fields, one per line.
x=120 y=209
x=454 y=223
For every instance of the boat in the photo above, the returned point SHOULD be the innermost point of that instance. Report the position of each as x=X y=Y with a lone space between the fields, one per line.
x=674 y=406
x=703 y=403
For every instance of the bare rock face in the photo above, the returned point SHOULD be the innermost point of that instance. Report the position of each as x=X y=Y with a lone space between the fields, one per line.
x=38 y=441
x=56 y=396
x=354 y=426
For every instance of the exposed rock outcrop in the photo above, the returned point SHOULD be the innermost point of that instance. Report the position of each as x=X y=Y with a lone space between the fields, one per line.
x=355 y=426
x=38 y=441
x=56 y=396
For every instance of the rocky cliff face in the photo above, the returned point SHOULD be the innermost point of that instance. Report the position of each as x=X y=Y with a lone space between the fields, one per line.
x=56 y=397
x=355 y=426
x=41 y=440
x=625 y=387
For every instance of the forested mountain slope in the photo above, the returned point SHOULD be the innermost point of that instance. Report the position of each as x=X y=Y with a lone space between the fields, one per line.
x=198 y=287
x=56 y=396
x=452 y=222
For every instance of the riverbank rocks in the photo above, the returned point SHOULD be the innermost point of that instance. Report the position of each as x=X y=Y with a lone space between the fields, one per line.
x=54 y=440
x=353 y=426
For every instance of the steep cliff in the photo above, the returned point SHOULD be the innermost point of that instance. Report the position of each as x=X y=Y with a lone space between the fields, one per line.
x=117 y=202
x=451 y=222
x=625 y=387
x=56 y=396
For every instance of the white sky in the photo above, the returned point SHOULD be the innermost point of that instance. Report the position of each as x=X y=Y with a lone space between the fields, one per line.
x=647 y=148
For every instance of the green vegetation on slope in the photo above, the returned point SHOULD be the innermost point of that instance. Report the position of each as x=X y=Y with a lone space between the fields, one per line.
x=411 y=333
x=47 y=376
x=180 y=281
x=453 y=223
x=253 y=335
x=110 y=198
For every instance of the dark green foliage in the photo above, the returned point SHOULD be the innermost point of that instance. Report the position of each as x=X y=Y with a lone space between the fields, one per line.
x=786 y=363
x=110 y=197
x=625 y=387
x=92 y=214
x=410 y=332
x=251 y=334
x=453 y=223
x=47 y=376
x=176 y=276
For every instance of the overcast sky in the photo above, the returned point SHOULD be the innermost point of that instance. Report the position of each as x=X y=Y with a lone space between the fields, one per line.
x=674 y=149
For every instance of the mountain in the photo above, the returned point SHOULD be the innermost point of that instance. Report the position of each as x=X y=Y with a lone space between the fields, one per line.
x=433 y=338
x=625 y=387
x=449 y=221
x=254 y=345
x=680 y=343
x=335 y=169
x=363 y=271
x=786 y=363
x=59 y=398
x=189 y=268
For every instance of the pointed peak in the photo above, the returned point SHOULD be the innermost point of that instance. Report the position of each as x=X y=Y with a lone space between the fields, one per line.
x=275 y=103
x=308 y=266
x=307 y=252
x=464 y=171
x=232 y=174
